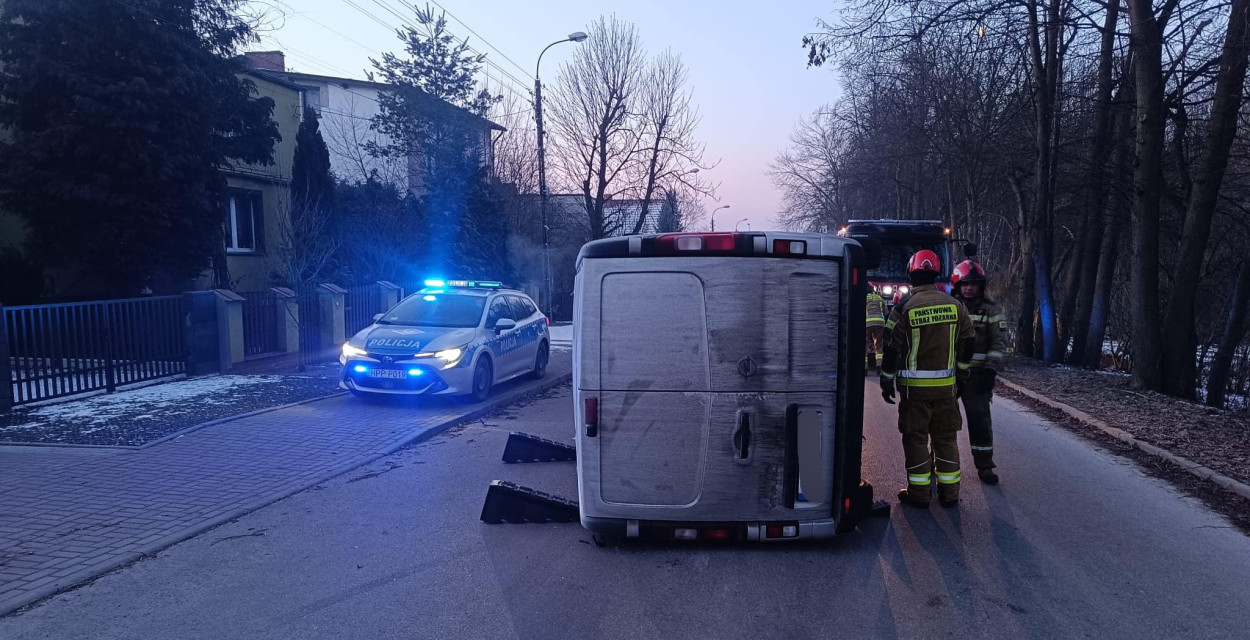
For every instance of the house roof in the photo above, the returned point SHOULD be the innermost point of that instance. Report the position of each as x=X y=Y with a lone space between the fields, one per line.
x=270 y=76
x=381 y=86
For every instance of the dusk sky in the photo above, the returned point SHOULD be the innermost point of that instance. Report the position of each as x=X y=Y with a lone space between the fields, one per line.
x=747 y=68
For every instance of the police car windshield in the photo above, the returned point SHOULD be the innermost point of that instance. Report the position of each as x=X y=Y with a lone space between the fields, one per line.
x=437 y=310
x=894 y=258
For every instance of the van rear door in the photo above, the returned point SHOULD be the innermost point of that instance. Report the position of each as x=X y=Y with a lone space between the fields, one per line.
x=703 y=369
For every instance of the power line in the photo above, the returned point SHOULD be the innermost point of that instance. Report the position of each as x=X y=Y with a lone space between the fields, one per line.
x=327 y=27
x=487 y=61
x=479 y=36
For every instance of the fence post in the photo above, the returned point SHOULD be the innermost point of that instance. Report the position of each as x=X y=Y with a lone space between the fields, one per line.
x=333 y=321
x=6 y=367
x=230 y=327
x=286 y=306
x=110 y=354
x=201 y=335
x=388 y=295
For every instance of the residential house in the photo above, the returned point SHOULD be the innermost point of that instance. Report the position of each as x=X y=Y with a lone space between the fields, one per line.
x=346 y=107
x=256 y=208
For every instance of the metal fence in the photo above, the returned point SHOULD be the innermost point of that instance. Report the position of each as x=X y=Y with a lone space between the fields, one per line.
x=360 y=305
x=311 y=351
x=260 y=322
x=57 y=350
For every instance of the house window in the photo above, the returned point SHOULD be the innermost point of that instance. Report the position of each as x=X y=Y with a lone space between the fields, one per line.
x=244 y=219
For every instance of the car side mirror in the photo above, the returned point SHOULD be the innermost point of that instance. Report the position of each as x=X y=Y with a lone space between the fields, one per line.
x=504 y=324
x=970 y=250
x=378 y=316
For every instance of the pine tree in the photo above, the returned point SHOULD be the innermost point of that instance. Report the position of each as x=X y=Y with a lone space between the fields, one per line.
x=121 y=115
x=433 y=113
x=312 y=186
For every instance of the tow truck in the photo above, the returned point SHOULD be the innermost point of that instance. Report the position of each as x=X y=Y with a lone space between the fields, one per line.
x=894 y=242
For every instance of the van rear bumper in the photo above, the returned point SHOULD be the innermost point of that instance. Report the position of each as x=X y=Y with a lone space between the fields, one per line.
x=748 y=531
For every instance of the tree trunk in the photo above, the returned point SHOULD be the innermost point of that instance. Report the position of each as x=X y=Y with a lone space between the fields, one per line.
x=1025 y=307
x=1091 y=242
x=1208 y=175
x=1234 y=331
x=1045 y=70
x=1147 y=48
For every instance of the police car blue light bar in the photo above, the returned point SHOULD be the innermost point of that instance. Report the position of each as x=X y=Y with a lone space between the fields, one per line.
x=474 y=284
x=435 y=283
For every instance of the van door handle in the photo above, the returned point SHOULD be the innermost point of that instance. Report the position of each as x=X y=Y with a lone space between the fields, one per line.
x=742 y=436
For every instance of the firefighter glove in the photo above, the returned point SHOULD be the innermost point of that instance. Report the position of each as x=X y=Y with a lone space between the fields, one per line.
x=887 y=389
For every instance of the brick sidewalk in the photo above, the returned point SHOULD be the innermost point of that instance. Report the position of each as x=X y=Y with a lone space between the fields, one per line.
x=67 y=516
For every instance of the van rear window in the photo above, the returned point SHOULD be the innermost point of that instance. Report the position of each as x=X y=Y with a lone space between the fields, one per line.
x=653 y=332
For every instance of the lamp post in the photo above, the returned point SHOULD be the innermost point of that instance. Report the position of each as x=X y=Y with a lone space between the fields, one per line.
x=723 y=206
x=576 y=36
x=739 y=223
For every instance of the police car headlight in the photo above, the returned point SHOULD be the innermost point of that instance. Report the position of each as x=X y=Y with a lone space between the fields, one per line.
x=887 y=289
x=450 y=355
x=350 y=351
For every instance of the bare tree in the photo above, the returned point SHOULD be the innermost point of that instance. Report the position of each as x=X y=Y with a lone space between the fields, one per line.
x=597 y=140
x=672 y=155
x=348 y=135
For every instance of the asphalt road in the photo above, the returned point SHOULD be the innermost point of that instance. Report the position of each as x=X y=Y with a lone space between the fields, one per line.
x=1076 y=542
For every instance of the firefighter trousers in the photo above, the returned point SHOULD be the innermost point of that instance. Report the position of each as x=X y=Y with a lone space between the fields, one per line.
x=930 y=431
x=977 y=394
x=874 y=345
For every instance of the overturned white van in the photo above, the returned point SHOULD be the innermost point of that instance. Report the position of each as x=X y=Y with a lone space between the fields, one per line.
x=719 y=386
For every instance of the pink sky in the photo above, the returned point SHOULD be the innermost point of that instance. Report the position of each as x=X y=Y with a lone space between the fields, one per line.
x=747 y=68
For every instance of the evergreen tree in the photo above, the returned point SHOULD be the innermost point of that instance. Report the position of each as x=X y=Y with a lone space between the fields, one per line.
x=121 y=116
x=433 y=115
x=312 y=187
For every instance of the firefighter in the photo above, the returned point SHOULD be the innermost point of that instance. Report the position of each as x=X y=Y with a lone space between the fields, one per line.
x=928 y=349
x=874 y=323
x=968 y=280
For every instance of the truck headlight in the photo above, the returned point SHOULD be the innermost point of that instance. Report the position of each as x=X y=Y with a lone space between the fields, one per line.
x=350 y=351
x=904 y=289
x=887 y=289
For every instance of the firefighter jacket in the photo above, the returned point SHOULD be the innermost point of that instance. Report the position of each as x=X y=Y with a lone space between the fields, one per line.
x=990 y=325
x=875 y=310
x=928 y=339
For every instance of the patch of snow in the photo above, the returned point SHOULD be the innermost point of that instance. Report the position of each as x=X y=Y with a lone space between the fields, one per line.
x=561 y=333
x=168 y=398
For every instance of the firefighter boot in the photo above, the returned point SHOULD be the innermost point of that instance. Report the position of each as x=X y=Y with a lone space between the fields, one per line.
x=988 y=476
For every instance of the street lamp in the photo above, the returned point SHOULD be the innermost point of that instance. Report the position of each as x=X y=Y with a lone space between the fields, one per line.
x=576 y=36
x=723 y=206
x=739 y=222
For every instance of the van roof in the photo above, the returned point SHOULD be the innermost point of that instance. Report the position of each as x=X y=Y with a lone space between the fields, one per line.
x=757 y=244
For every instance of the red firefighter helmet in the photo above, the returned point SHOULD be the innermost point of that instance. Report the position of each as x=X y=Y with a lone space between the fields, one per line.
x=925 y=260
x=969 y=271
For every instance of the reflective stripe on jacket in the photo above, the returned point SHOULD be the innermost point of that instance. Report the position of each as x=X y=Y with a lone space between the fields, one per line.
x=991 y=326
x=874 y=309
x=923 y=336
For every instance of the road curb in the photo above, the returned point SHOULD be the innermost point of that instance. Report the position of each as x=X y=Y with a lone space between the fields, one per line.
x=34 y=596
x=1186 y=464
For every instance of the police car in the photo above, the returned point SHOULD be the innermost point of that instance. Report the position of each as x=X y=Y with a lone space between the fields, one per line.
x=453 y=337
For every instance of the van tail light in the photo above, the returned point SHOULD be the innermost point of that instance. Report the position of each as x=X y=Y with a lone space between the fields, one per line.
x=790 y=247
x=782 y=530
x=846 y=507
x=854 y=277
x=719 y=535
x=592 y=417
x=696 y=243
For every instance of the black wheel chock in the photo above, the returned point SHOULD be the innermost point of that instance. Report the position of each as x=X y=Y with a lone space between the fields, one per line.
x=511 y=503
x=523 y=447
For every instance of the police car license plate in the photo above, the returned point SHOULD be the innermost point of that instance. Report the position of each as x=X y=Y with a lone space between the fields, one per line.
x=389 y=374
